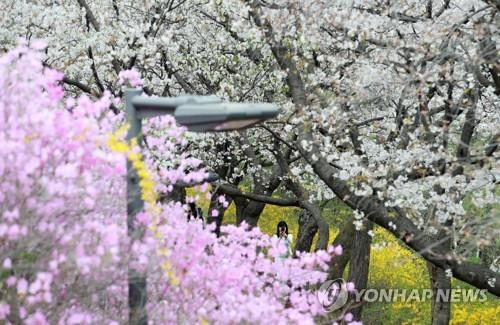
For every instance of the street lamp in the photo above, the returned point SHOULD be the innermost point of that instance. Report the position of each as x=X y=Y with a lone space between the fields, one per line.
x=223 y=116
x=198 y=113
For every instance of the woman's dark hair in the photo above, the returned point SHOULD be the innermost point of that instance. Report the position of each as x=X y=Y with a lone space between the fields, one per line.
x=281 y=224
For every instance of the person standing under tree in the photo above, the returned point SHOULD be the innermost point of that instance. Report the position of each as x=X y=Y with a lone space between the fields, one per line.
x=284 y=238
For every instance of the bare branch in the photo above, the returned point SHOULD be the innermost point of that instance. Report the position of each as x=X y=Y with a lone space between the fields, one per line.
x=446 y=5
x=234 y=191
x=428 y=8
x=366 y=122
x=90 y=15
x=493 y=145
x=77 y=84
x=278 y=137
x=94 y=70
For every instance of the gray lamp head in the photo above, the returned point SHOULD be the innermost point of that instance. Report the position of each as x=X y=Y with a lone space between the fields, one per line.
x=223 y=116
x=212 y=177
x=157 y=106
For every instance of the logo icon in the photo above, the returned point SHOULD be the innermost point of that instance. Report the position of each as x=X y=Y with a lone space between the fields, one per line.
x=332 y=294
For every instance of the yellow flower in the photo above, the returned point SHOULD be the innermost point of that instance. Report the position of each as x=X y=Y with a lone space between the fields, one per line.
x=29 y=138
x=148 y=194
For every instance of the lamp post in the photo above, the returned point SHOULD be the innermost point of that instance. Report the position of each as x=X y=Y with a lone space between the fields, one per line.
x=198 y=113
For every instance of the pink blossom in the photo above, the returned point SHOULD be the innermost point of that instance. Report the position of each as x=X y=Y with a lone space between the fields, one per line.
x=350 y=286
x=11 y=281
x=131 y=76
x=35 y=287
x=12 y=215
x=22 y=286
x=47 y=297
x=78 y=318
x=14 y=232
x=36 y=319
x=22 y=312
x=222 y=200
x=7 y=263
x=4 y=310
x=142 y=218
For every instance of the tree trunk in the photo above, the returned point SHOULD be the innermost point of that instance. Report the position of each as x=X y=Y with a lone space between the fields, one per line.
x=440 y=310
x=216 y=205
x=251 y=213
x=307 y=229
x=249 y=210
x=359 y=263
x=344 y=238
x=178 y=194
x=240 y=204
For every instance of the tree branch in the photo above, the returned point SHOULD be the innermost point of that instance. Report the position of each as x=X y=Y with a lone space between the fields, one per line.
x=402 y=227
x=94 y=70
x=446 y=5
x=276 y=136
x=283 y=202
x=77 y=84
x=90 y=15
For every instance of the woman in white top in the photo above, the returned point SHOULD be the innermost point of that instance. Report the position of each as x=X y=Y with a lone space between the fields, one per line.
x=283 y=236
